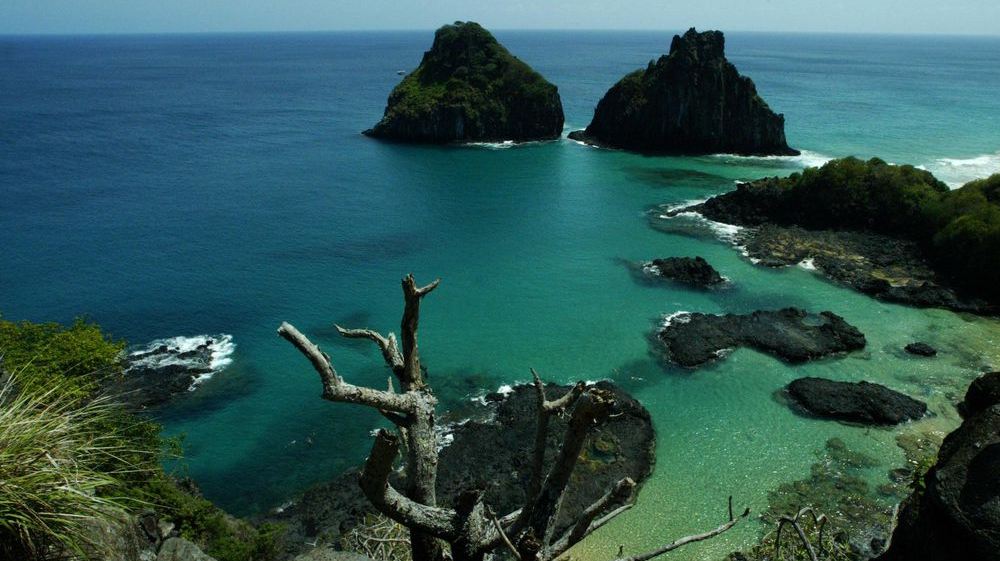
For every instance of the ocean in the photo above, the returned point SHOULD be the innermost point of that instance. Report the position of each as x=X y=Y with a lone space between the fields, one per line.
x=216 y=185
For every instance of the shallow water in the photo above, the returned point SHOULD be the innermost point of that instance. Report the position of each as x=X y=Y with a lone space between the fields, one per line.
x=183 y=185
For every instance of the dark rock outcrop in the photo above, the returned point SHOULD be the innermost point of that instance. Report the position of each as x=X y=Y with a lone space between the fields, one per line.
x=469 y=88
x=956 y=515
x=688 y=270
x=494 y=455
x=874 y=227
x=920 y=348
x=165 y=369
x=691 y=101
x=855 y=402
x=790 y=334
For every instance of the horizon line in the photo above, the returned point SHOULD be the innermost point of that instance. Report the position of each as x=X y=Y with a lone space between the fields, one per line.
x=494 y=29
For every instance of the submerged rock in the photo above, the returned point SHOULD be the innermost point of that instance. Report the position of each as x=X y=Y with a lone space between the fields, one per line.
x=692 y=339
x=689 y=270
x=691 y=101
x=956 y=515
x=468 y=87
x=921 y=349
x=856 y=402
x=493 y=455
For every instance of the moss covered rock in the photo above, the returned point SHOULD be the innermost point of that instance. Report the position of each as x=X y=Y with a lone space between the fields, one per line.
x=467 y=88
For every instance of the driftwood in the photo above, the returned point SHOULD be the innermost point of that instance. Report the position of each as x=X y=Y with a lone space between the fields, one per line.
x=470 y=529
x=793 y=521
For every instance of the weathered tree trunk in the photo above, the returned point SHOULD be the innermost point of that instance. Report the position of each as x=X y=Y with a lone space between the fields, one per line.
x=471 y=529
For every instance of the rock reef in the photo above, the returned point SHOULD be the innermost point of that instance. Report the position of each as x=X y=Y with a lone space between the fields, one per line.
x=856 y=402
x=690 y=101
x=694 y=271
x=794 y=335
x=469 y=88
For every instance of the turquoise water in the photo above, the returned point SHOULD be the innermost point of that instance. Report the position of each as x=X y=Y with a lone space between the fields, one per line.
x=185 y=185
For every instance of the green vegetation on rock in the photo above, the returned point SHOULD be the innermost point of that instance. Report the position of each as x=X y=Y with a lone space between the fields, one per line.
x=56 y=426
x=468 y=87
x=959 y=229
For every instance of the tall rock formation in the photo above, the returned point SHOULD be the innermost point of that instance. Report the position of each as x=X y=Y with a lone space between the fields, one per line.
x=469 y=88
x=692 y=101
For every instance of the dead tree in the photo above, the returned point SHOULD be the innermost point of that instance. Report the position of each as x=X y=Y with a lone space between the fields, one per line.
x=470 y=529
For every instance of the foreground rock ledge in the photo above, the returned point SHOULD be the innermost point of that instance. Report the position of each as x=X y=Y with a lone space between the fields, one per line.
x=957 y=514
x=855 y=402
x=692 y=101
x=494 y=455
x=469 y=88
x=792 y=334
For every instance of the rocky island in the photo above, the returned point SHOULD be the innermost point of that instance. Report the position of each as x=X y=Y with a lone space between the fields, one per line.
x=469 y=88
x=894 y=232
x=691 y=101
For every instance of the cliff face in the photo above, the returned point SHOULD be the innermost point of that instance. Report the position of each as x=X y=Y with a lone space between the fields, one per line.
x=468 y=87
x=692 y=101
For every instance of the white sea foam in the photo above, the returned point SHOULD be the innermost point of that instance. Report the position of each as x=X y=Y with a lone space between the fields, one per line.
x=221 y=348
x=725 y=232
x=676 y=317
x=806 y=159
x=959 y=171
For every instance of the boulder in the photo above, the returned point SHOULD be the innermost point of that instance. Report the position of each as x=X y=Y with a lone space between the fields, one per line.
x=792 y=334
x=688 y=270
x=921 y=349
x=691 y=101
x=856 y=402
x=956 y=515
x=469 y=88
x=982 y=393
x=179 y=549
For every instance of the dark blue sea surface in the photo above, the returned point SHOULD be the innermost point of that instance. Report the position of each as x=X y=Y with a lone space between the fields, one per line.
x=183 y=185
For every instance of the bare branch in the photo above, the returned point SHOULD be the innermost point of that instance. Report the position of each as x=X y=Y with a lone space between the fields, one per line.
x=390 y=351
x=334 y=387
x=592 y=409
x=503 y=535
x=412 y=377
x=818 y=520
x=617 y=496
x=545 y=410
x=687 y=540
x=374 y=482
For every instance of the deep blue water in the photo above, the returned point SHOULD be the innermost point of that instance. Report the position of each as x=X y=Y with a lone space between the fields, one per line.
x=205 y=184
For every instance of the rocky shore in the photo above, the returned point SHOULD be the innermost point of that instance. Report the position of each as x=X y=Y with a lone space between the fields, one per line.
x=792 y=334
x=494 y=455
x=877 y=248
